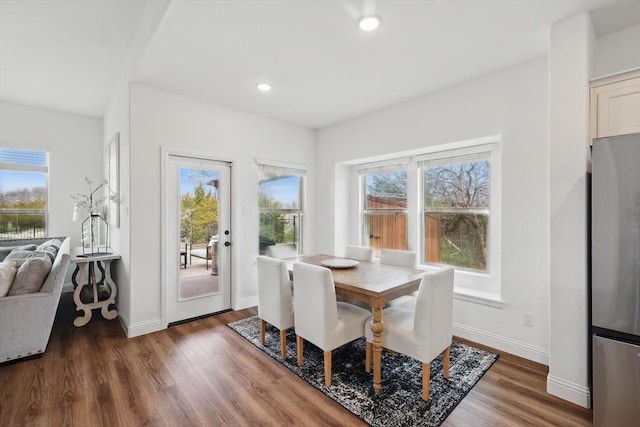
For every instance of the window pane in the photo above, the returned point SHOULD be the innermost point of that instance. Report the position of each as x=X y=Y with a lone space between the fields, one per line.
x=387 y=190
x=386 y=230
x=458 y=239
x=278 y=228
x=280 y=192
x=462 y=185
x=23 y=204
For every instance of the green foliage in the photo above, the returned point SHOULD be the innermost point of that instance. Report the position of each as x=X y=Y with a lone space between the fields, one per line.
x=23 y=199
x=198 y=215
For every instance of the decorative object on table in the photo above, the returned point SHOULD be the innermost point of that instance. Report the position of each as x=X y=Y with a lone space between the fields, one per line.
x=339 y=263
x=95 y=228
x=400 y=401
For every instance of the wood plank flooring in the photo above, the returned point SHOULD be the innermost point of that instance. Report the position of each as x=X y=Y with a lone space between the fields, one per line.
x=202 y=373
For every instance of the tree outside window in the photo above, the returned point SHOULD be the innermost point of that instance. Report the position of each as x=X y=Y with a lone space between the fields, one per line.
x=280 y=195
x=198 y=205
x=456 y=212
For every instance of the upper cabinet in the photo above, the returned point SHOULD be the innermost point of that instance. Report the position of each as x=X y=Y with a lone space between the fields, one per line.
x=615 y=105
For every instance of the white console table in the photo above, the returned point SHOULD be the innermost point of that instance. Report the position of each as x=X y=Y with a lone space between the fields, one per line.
x=88 y=266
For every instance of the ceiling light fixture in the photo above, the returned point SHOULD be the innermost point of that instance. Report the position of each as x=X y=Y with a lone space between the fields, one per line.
x=263 y=87
x=369 y=23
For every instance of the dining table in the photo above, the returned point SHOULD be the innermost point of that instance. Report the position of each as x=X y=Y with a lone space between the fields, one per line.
x=373 y=283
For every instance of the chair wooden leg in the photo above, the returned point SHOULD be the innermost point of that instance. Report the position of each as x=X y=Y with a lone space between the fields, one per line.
x=283 y=344
x=327 y=368
x=263 y=329
x=445 y=362
x=426 y=377
x=299 y=343
x=367 y=357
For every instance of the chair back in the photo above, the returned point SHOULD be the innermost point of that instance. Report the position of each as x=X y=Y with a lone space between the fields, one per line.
x=398 y=258
x=361 y=253
x=433 y=316
x=314 y=302
x=275 y=296
x=289 y=250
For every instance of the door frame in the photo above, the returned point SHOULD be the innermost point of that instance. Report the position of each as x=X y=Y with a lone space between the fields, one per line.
x=165 y=152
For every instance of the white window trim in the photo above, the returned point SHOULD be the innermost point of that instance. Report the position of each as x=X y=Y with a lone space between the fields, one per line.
x=291 y=169
x=478 y=287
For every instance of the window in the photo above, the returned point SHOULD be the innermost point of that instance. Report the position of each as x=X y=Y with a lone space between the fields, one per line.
x=384 y=212
x=456 y=211
x=23 y=193
x=280 y=198
x=442 y=202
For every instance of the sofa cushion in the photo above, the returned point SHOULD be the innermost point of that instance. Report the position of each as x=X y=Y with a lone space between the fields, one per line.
x=31 y=275
x=6 y=250
x=7 y=274
x=21 y=256
x=49 y=243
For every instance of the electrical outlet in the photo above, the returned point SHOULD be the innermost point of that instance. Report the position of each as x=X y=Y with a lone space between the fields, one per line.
x=528 y=318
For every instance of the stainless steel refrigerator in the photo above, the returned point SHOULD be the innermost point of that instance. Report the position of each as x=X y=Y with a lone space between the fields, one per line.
x=615 y=280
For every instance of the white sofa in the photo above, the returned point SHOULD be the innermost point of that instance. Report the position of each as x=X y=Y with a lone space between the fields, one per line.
x=26 y=320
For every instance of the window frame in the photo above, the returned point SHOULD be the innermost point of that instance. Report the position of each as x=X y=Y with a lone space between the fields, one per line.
x=479 y=156
x=470 y=284
x=378 y=169
x=286 y=169
x=29 y=168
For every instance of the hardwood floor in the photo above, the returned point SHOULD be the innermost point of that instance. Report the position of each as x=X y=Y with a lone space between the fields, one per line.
x=202 y=373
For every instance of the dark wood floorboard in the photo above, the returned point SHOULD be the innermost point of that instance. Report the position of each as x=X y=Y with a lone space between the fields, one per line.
x=202 y=373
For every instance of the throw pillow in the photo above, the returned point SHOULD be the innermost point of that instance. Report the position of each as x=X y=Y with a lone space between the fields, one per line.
x=21 y=256
x=51 y=242
x=30 y=276
x=6 y=250
x=7 y=274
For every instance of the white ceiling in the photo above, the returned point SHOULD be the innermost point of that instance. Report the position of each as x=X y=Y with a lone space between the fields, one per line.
x=67 y=54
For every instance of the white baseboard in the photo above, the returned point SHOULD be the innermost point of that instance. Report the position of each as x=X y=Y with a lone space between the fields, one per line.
x=527 y=351
x=567 y=390
x=246 y=303
x=141 y=328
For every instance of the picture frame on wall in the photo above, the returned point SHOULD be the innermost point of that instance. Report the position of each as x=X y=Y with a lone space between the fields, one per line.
x=112 y=163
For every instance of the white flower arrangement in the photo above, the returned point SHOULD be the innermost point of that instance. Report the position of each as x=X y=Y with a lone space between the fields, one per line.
x=92 y=203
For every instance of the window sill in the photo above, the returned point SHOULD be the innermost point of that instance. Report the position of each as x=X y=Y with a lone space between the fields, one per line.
x=478 y=297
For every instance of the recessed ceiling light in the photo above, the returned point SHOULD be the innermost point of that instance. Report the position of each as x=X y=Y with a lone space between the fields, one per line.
x=263 y=87
x=369 y=23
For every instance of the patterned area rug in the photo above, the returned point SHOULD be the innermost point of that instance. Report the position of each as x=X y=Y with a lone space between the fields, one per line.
x=400 y=401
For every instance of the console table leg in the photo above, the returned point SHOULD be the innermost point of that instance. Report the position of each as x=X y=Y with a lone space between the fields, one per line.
x=86 y=317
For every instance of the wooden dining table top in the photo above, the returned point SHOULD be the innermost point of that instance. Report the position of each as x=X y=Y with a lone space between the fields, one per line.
x=367 y=279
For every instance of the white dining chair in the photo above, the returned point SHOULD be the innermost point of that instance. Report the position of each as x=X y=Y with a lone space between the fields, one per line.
x=398 y=258
x=288 y=250
x=422 y=333
x=360 y=253
x=320 y=319
x=275 y=299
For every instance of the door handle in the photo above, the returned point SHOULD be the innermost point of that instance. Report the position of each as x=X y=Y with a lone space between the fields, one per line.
x=227 y=243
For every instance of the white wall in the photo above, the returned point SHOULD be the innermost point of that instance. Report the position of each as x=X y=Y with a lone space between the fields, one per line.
x=512 y=103
x=161 y=119
x=570 y=65
x=75 y=146
x=617 y=52
x=116 y=120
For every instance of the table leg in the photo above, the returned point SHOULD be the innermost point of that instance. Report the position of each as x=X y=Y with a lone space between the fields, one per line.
x=106 y=313
x=84 y=319
x=377 y=327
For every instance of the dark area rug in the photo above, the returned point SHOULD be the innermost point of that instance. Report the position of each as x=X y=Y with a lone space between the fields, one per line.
x=400 y=401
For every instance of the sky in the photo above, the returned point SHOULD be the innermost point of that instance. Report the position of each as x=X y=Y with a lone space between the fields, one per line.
x=11 y=181
x=284 y=190
x=190 y=178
